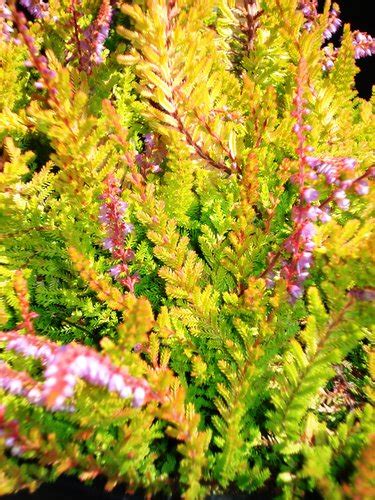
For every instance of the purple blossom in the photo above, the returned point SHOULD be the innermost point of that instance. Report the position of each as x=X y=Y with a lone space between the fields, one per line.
x=313 y=213
x=6 y=29
x=334 y=24
x=340 y=194
x=138 y=397
x=305 y=259
x=310 y=194
x=37 y=8
x=108 y=244
x=362 y=187
x=111 y=216
x=308 y=231
x=152 y=156
x=324 y=216
x=115 y=271
x=296 y=291
x=364 y=44
x=343 y=203
x=94 y=36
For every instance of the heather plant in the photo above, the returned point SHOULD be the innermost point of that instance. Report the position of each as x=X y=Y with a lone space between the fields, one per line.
x=186 y=248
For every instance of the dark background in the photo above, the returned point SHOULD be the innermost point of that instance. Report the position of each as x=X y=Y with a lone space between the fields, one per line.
x=360 y=16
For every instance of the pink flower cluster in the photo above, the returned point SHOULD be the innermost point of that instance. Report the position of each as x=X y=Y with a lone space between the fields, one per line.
x=37 y=8
x=6 y=29
x=30 y=345
x=89 y=44
x=149 y=161
x=334 y=23
x=364 y=44
x=329 y=57
x=111 y=216
x=336 y=173
x=64 y=366
x=20 y=384
x=96 y=34
x=309 y=9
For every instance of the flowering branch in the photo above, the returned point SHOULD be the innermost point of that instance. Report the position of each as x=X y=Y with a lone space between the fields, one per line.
x=64 y=366
x=89 y=44
x=309 y=9
x=47 y=78
x=306 y=213
x=95 y=35
x=19 y=383
x=334 y=22
x=111 y=217
x=364 y=44
x=152 y=156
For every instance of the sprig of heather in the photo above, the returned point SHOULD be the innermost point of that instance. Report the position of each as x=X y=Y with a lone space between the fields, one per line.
x=29 y=345
x=96 y=34
x=111 y=217
x=300 y=243
x=334 y=22
x=150 y=159
x=63 y=367
x=364 y=44
x=20 y=384
x=309 y=9
x=47 y=78
x=330 y=54
x=89 y=43
x=36 y=8
x=336 y=173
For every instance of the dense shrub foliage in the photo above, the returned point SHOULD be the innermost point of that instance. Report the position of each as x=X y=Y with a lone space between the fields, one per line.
x=187 y=249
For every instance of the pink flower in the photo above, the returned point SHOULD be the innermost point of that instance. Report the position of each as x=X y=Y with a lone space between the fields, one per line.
x=334 y=24
x=362 y=187
x=364 y=44
x=153 y=154
x=310 y=194
x=90 y=42
x=37 y=8
x=296 y=291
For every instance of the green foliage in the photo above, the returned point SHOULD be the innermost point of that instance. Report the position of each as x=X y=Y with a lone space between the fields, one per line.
x=254 y=393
